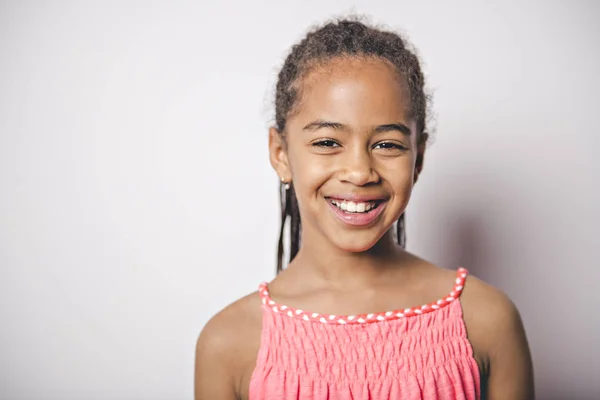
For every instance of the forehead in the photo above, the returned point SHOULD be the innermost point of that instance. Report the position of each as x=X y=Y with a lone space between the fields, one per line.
x=353 y=91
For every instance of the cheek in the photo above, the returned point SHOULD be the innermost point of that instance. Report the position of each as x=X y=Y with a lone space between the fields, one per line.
x=308 y=170
x=399 y=172
x=403 y=190
x=309 y=177
x=309 y=174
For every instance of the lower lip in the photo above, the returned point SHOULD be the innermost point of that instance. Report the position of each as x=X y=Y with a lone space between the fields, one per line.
x=358 y=219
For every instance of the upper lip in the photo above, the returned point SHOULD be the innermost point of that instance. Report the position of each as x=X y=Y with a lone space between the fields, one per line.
x=356 y=198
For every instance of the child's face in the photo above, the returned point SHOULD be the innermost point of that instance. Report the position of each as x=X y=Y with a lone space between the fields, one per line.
x=349 y=137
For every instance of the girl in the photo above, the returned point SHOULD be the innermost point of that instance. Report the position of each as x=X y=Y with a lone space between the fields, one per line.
x=354 y=315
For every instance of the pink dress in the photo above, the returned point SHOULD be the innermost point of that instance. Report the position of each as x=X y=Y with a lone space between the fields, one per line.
x=415 y=353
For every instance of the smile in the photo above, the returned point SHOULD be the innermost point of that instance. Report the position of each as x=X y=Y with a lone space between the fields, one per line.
x=354 y=207
x=357 y=213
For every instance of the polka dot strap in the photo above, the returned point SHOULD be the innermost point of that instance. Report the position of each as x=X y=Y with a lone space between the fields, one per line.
x=263 y=291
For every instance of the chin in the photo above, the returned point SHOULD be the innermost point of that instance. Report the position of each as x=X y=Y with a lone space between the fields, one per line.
x=356 y=244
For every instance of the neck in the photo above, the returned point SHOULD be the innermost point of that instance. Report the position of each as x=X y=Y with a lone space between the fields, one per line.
x=321 y=260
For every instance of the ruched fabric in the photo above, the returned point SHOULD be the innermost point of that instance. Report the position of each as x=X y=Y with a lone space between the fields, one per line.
x=419 y=356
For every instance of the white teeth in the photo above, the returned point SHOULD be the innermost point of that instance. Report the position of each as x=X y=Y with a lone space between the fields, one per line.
x=350 y=206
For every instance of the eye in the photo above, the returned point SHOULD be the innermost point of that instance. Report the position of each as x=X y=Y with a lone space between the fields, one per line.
x=390 y=146
x=326 y=143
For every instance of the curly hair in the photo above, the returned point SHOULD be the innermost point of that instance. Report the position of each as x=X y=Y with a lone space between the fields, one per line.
x=342 y=38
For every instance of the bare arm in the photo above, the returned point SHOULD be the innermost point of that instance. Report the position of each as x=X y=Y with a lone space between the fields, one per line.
x=510 y=366
x=213 y=373
x=498 y=337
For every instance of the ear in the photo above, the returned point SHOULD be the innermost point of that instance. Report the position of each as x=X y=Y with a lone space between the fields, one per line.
x=278 y=155
x=420 y=158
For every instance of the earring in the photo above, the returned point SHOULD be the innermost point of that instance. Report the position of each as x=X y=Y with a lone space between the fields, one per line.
x=286 y=185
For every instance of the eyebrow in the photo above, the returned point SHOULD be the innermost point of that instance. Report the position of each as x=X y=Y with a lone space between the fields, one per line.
x=318 y=124
x=398 y=126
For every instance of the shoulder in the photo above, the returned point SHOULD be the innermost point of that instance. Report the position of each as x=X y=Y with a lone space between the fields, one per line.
x=227 y=343
x=222 y=334
x=488 y=310
x=496 y=332
x=223 y=328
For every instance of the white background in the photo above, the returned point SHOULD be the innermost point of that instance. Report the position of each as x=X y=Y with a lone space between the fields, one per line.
x=137 y=198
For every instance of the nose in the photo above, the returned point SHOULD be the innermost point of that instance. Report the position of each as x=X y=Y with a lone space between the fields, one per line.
x=358 y=168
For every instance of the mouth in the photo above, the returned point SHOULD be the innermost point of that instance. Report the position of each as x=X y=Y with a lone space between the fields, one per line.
x=353 y=207
x=357 y=213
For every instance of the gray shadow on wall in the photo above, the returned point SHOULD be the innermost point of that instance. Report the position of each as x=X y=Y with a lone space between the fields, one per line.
x=467 y=245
